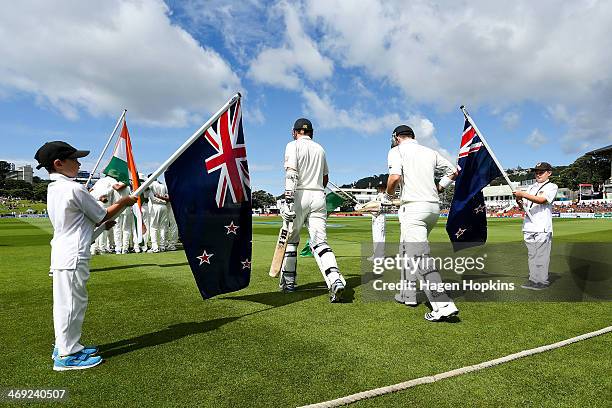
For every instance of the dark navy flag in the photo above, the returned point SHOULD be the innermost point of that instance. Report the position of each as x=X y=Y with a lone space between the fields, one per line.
x=467 y=220
x=210 y=194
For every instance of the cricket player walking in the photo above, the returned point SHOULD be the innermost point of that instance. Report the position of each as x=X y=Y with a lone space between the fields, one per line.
x=306 y=176
x=412 y=166
x=538 y=228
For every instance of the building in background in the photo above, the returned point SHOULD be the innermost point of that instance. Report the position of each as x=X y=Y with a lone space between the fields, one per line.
x=25 y=173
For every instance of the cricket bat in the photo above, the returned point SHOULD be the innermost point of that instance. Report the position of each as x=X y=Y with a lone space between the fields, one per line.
x=281 y=247
x=374 y=206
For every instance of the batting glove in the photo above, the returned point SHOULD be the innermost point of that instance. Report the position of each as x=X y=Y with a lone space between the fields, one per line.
x=287 y=213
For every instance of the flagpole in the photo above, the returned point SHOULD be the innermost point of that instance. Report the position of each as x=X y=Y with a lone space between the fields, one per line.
x=347 y=195
x=195 y=136
x=486 y=145
x=105 y=147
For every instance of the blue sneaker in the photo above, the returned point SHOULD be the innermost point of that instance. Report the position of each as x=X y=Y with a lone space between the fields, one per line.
x=76 y=361
x=91 y=350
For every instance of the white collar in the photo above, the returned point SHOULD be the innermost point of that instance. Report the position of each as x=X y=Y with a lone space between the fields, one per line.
x=408 y=140
x=59 y=176
x=303 y=137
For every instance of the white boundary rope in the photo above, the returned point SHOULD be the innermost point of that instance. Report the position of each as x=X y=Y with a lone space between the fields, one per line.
x=427 y=380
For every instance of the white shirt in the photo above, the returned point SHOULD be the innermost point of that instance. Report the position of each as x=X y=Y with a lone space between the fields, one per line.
x=307 y=157
x=541 y=214
x=73 y=213
x=416 y=164
x=157 y=188
x=104 y=187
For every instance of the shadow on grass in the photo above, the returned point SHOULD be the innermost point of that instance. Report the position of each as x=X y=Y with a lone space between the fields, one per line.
x=304 y=292
x=114 y=268
x=167 y=335
x=118 y=267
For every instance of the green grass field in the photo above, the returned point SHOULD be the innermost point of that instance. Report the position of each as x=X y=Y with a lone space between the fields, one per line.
x=164 y=346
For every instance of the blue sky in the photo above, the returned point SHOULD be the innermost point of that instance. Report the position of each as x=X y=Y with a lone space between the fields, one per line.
x=535 y=76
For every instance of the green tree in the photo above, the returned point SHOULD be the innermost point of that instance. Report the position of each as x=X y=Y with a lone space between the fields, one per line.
x=40 y=191
x=5 y=169
x=585 y=170
x=262 y=199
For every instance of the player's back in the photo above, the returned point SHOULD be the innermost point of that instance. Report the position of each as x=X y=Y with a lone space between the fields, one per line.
x=308 y=158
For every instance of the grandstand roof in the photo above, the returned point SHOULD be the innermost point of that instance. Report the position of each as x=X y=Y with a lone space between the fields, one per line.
x=602 y=150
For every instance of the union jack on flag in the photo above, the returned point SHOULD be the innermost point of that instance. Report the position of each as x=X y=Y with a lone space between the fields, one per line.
x=470 y=142
x=225 y=136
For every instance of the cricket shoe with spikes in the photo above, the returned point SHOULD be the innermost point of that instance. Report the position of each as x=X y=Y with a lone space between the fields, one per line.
x=335 y=291
x=442 y=313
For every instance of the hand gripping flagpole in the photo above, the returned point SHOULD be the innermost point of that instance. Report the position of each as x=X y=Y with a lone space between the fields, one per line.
x=486 y=145
x=195 y=136
x=105 y=147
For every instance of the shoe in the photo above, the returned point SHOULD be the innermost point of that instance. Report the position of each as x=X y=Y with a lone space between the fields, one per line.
x=171 y=248
x=531 y=285
x=137 y=250
x=444 y=312
x=76 y=361
x=153 y=251
x=288 y=288
x=91 y=350
x=335 y=291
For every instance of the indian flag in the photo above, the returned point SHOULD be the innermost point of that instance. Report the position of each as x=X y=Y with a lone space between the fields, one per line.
x=123 y=168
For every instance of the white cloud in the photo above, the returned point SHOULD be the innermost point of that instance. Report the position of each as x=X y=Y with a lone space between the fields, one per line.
x=329 y=117
x=511 y=120
x=104 y=56
x=536 y=139
x=481 y=52
x=298 y=56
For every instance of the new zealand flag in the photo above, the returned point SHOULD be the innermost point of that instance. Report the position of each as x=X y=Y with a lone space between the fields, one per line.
x=467 y=220
x=210 y=194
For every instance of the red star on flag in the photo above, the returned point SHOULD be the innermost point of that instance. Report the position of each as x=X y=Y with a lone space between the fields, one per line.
x=231 y=229
x=246 y=264
x=204 y=258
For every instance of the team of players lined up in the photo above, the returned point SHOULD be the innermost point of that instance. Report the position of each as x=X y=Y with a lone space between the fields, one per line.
x=160 y=232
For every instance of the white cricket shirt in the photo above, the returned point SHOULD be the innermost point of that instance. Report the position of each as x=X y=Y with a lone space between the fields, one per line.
x=307 y=157
x=73 y=213
x=416 y=164
x=541 y=214
x=160 y=189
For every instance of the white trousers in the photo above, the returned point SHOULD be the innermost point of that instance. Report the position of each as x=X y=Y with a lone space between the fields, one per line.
x=123 y=230
x=378 y=235
x=417 y=219
x=69 y=306
x=172 y=238
x=310 y=210
x=146 y=215
x=539 y=245
x=159 y=226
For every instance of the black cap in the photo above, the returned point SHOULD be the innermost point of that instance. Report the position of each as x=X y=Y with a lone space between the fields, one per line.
x=302 y=124
x=403 y=130
x=543 y=166
x=51 y=151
